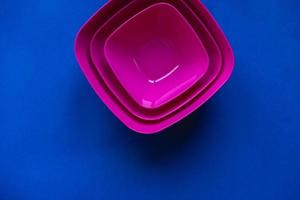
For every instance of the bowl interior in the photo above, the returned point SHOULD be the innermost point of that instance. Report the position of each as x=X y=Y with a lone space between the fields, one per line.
x=156 y=55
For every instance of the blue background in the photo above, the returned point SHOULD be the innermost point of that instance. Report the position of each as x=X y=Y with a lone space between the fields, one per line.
x=59 y=141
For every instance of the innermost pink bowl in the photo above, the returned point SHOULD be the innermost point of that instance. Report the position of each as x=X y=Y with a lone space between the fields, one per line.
x=156 y=55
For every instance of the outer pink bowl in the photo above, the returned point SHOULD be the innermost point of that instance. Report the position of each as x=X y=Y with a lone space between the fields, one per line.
x=156 y=55
x=97 y=46
x=143 y=126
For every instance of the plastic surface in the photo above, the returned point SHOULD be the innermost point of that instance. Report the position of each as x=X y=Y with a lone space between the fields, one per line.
x=156 y=55
x=97 y=45
x=143 y=126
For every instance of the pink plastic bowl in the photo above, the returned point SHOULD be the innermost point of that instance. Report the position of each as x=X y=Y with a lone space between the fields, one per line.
x=104 y=69
x=156 y=55
x=82 y=43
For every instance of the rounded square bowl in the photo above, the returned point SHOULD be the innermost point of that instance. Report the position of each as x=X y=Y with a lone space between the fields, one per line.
x=156 y=55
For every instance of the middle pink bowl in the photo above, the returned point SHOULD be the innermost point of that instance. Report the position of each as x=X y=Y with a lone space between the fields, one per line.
x=156 y=55
x=99 y=60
